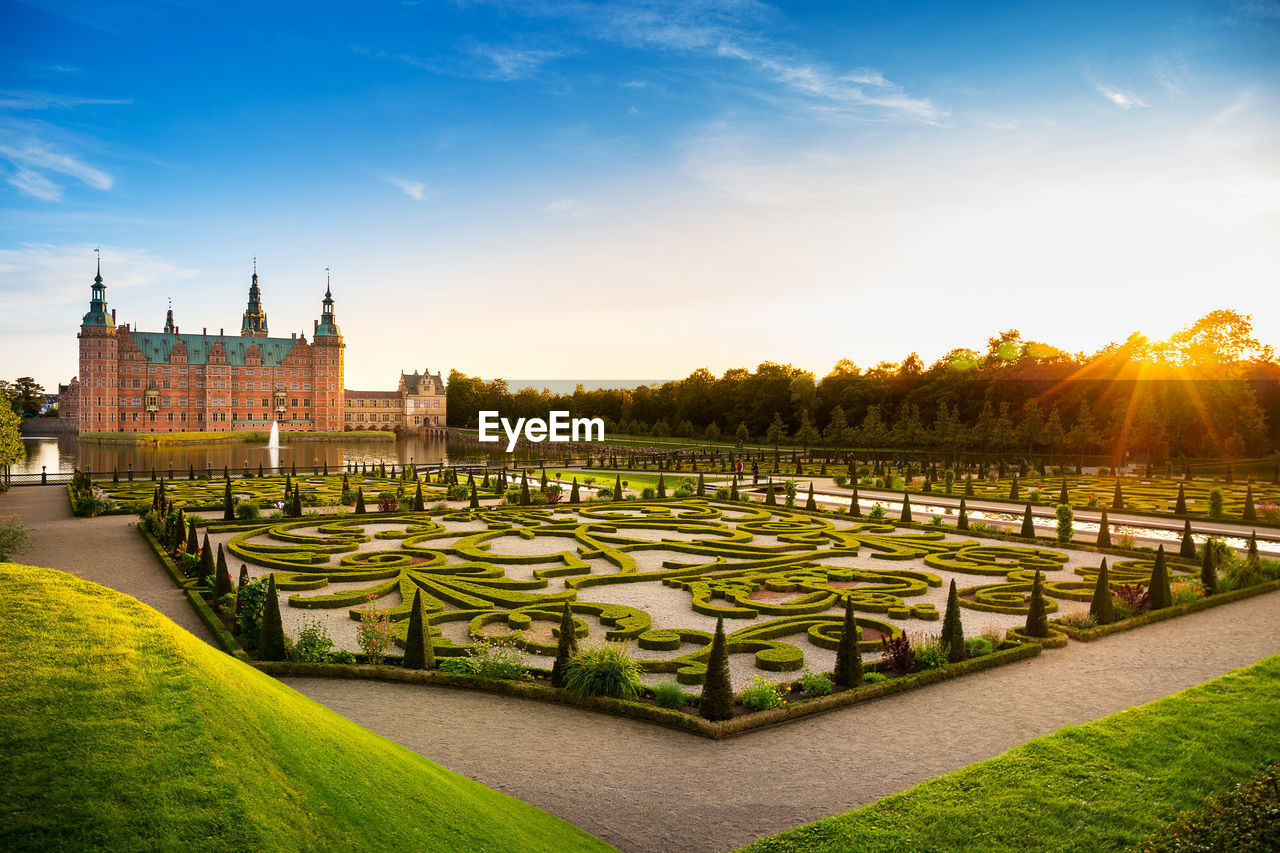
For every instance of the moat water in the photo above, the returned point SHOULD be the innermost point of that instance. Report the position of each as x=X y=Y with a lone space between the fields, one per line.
x=65 y=453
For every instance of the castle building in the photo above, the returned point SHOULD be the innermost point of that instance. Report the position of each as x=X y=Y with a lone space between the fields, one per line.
x=171 y=381
x=417 y=404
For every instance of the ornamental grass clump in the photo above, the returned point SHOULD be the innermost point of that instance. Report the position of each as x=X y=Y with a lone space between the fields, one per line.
x=602 y=669
x=816 y=683
x=669 y=695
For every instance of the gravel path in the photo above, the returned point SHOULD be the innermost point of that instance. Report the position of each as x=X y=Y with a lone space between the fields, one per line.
x=105 y=550
x=642 y=788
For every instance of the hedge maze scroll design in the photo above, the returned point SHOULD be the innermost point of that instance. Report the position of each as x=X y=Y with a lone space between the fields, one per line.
x=783 y=576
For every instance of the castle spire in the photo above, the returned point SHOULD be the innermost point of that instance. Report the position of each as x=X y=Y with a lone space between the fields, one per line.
x=327 y=325
x=254 y=322
x=169 y=328
x=97 y=315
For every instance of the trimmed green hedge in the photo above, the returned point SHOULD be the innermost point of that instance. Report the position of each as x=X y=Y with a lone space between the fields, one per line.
x=1151 y=616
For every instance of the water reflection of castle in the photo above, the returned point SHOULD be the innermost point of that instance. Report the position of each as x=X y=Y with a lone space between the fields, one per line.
x=171 y=381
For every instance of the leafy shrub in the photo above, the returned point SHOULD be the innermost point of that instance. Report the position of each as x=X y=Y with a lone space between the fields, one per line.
x=313 y=644
x=1134 y=597
x=1242 y=819
x=722 y=493
x=374 y=632
x=816 y=683
x=1066 y=524
x=88 y=506
x=341 y=656
x=388 y=502
x=457 y=666
x=499 y=657
x=669 y=695
x=247 y=511
x=978 y=646
x=603 y=669
x=648 y=493
x=875 y=677
x=15 y=538
x=877 y=512
x=762 y=693
x=249 y=606
x=683 y=492
x=898 y=653
x=460 y=492
x=840 y=480
x=1186 y=591
x=1215 y=503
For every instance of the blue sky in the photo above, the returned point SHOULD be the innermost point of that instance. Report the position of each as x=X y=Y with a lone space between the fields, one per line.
x=629 y=189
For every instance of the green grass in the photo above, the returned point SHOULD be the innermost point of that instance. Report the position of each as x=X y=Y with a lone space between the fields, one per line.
x=1093 y=787
x=121 y=731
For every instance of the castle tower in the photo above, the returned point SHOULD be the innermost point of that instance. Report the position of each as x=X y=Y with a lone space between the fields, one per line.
x=327 y=366
x=254 y=324
x=169 y=328
x=99 y=355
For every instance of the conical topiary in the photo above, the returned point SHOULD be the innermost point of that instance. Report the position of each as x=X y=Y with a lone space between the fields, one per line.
x=770 y=499
x=1117 y=499
x=271 y=637
x=1101 y=607
x=574 y=496
x=1209 y=571
x=524 y=489
x=848 y=671
x=717 y=694
x=418 y=652
x=1251 y=558
x=809 y=502
x=240 y=585
x=962 y=520
x=567 y=645
x=1180 y=505
x=854 y=509
x=1028 y=525
x=1064 y=496
x=1037 y=619
x=360 y=500
x=1158 y=588
x=206 y=562
x=1188 y=547
x=662 y=485
x=1247 y=512
x=228 y=504
x=733 y=489
x=193 y=538
x=419 y=505
x=222 y=581
x=1014 y=491
x=906 y=507
x=617 y=487
x=952 y=630
x=1104 y=531
x=702 y=486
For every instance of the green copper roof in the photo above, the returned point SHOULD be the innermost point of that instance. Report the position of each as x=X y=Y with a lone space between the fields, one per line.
x=156 y=347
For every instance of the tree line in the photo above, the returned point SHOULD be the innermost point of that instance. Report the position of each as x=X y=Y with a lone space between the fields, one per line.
x=1211 y=390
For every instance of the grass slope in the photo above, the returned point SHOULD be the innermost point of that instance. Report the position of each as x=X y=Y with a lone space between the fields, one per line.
x=121 y=731
x=1099 y=786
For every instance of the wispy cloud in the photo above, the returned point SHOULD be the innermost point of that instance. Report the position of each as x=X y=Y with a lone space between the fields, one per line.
x=35 y=163
x=1171 y=73
x=415 y=190
x=1123 y=100
x=567 y=208
x=49 y=274
x=506 y=63
x=25 y=101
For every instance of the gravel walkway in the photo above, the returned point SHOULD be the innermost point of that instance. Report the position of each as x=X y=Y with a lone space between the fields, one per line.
x=105 y=550
x=645 y=788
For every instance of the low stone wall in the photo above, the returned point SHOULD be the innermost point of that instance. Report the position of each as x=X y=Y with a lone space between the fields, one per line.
x=47 y=426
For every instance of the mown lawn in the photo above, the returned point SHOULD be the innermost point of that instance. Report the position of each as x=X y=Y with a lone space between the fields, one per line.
x=121 y=731
x=1093 y=787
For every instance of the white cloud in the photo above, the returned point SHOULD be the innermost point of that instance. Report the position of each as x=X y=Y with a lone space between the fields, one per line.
x=507 y=63
x=415 y=190
x=1123 y=100
x=567 y=208
x=16 y=100
x=47 y=274
x=34 y=162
